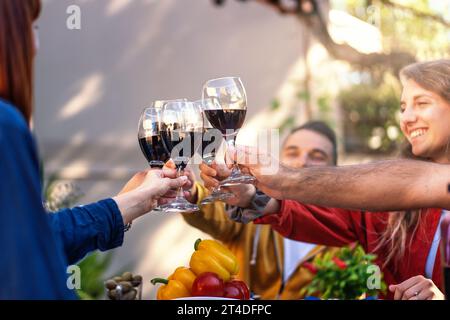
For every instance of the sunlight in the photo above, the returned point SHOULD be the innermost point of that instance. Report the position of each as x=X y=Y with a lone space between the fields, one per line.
x=116 y=6
x=89 y=93
x=345 y=28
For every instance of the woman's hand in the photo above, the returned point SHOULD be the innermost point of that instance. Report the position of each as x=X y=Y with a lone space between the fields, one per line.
x=143 y=192
x=190 y=192
x=416 y=288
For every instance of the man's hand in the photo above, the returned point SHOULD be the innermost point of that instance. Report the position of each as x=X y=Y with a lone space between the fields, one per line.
x=268 y=171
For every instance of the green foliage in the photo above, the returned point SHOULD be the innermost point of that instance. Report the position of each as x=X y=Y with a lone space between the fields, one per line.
x=370 y=114
x=93 y=269
x=345 y=277
x=408 y=26
x=304 y=95
x=288 y=123
x=275 y=105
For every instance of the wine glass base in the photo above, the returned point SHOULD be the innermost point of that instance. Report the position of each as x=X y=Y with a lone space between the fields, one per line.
x=217 y=197
x=237 y=180
x=180 y=207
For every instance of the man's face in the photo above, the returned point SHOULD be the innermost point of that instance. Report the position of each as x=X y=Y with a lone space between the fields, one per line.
x=306 y=148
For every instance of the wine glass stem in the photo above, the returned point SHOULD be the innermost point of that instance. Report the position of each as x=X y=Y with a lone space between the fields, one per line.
x=231 y=144
x=180 y=193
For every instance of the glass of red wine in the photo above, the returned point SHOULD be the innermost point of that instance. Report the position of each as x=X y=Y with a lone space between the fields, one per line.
x=211 y=142
x=149 y=137
x=181 y=125
x=227 y=114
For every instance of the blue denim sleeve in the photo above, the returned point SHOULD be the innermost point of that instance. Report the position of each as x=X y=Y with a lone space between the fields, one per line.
x=32 y=265
x=97 y=226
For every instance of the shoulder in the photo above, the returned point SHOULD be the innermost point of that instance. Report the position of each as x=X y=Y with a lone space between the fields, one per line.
x=11 y=120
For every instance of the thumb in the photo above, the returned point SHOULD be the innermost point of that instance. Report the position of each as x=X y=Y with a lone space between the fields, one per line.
x=392 y=287
x=178 y=182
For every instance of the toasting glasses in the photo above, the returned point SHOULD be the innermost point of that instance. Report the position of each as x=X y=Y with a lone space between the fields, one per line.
x=227 y=114
x=211 y=142
x=181 y=127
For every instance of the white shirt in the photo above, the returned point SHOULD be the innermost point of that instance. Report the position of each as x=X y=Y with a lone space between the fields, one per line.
x=429 y=266
x=294 y=252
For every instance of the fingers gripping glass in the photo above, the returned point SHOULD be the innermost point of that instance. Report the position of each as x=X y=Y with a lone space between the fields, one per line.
x=227 y=114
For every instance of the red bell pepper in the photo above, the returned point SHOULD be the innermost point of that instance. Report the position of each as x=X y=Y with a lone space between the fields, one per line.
x=208 y=284
x=237 y=290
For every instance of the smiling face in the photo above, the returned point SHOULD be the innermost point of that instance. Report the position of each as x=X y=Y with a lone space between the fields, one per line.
x=306 y=148
x=425 y=122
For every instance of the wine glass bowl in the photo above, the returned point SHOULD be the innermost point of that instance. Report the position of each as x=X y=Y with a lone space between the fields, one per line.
x=212 y=140
x=227 y=114
x=149 y=137
x=180 y=124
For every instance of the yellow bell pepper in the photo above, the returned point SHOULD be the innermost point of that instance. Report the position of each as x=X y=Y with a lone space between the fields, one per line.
x=171 y=290
x=212 y=256
x=178 y=285
x=185 y=276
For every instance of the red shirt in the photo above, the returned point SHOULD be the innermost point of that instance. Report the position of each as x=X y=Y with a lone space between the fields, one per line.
x=340 y=227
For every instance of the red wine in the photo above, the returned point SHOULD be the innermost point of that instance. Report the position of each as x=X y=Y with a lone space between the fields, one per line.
x=226 y=119
x=154 y=151
x=181 y=146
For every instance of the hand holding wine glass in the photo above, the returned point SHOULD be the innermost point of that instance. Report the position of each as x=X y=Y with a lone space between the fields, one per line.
x=148 y=189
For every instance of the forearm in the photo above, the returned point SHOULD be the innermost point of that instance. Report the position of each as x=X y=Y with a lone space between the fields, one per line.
x=133 y=204
x=380 y=186
x=83 y=229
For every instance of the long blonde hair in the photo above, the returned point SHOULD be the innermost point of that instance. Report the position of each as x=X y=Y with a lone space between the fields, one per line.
x=433 y=76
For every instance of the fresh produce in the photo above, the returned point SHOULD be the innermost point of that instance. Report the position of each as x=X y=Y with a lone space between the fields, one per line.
x=236 y=289
x=124 y=287
x=208 y=284
x=211 y=273
x=212 y=256
x=172 y=289
x=178 y=285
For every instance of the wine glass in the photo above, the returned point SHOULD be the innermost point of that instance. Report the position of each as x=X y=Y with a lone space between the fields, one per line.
x=181 y=125
x=159 y=104
x=227 y=114
x=211 y=141
x=149 y=137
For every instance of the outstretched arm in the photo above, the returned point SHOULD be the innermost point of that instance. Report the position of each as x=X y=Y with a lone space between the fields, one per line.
x=380 y=186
